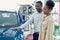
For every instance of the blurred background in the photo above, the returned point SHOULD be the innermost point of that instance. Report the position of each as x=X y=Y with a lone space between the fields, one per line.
x=29 y=7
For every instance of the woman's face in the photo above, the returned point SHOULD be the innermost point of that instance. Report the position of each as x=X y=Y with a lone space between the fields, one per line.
x=46 y=10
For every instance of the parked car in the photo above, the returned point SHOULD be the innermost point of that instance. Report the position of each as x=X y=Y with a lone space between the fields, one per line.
x=9 y=19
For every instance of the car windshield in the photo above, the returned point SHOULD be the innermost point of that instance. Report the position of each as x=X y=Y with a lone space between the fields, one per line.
x=8 y=19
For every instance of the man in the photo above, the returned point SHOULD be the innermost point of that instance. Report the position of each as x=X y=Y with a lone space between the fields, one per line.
x=37 y=19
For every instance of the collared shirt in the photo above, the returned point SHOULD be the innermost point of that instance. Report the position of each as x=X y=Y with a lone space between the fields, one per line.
x=37 y=19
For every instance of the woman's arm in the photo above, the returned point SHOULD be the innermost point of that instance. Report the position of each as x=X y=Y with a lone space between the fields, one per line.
x=50 y=29
x=43 y=34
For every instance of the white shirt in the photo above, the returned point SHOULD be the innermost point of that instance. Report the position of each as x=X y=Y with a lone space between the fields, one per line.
x=37 y=19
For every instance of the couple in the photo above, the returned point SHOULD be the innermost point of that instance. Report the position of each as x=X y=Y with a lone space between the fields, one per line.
x=43 y=22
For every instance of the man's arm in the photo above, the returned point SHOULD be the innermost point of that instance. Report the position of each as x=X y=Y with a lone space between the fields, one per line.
x=26 y=23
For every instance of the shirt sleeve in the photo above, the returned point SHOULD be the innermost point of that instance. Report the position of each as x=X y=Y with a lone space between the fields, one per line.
x=28 y=22
x=50 y=30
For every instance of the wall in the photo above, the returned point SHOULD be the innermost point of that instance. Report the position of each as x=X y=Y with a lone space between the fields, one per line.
x=59 y=15
x=13 y=4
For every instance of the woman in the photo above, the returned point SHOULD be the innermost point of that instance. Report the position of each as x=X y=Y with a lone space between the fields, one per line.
x=47 y=24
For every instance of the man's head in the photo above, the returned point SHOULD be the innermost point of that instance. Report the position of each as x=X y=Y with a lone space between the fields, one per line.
x=39 y=6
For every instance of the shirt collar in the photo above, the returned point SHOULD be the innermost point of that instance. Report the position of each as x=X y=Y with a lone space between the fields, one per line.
x=39 y=13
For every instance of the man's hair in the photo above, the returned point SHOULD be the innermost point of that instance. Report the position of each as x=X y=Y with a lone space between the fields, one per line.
x=39 y=2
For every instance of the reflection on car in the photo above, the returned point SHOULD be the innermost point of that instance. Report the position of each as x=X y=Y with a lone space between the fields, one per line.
x=9 y=19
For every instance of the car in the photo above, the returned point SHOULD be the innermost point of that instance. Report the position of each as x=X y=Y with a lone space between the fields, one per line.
x=8 y=20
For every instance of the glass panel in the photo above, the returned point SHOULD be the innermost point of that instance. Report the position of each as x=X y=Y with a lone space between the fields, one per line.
x=8 y=19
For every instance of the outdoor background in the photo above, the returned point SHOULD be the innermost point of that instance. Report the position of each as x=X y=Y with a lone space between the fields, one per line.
x=14 y=5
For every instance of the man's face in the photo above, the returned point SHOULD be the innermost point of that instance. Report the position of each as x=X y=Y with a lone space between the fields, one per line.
x=38 y=7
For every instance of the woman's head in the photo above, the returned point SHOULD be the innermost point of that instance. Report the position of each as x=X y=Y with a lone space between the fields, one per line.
x=48 y=7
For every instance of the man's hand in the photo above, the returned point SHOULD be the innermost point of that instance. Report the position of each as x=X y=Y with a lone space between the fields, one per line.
x=16 y=28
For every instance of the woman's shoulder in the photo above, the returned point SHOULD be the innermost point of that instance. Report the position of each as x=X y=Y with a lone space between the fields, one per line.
x=50 y=19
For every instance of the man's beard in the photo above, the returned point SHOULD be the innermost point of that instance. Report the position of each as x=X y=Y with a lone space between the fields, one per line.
x=40 y=10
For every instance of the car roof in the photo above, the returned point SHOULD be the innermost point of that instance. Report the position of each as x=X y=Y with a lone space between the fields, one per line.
x=7 y=11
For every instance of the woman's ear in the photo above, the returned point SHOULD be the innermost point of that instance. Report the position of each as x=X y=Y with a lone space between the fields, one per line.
x=49 y=10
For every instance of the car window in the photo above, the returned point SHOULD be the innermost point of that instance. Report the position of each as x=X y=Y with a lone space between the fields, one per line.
x=8 y=19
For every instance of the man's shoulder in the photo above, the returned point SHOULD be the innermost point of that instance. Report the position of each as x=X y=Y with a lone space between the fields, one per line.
x=34 y=13
x=42 y=13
